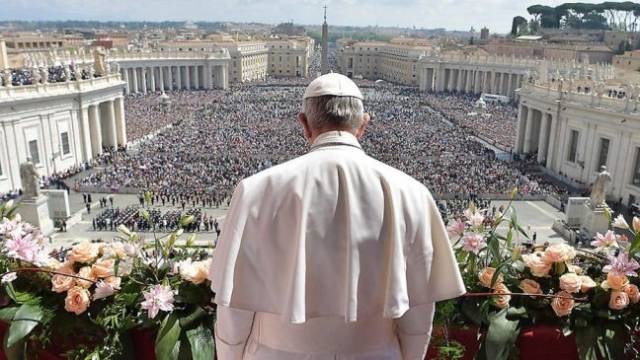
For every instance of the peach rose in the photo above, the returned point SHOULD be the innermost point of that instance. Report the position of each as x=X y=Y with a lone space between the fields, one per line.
x=77 y=300
x=85 y=273
x=501 y=300
x=633 y=292
x=570 y=282
x=530 y=286
x=84 y=252
x=196 y=272
x=115 y=250
x=486 y=275
x=563 y=305
x=537 y=266
x=587 y=283
x=102 y=268
x=615 y=282
x=61 y=283
x=559 y=253
x=618 y=300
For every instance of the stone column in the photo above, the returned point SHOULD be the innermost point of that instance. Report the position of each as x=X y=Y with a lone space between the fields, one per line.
x=224 y=76
x=160 y=72
x=467 y=80
x=152 y=71
x=96 y=130
x=543 y=139
x=510 y=85
x=144 y=79
x=187 y=76
x=125 y=77
x=109 y=123
x=528 y=131
x=551 y=153
x=85 y=133
x=196 y=77
x=134 y=72
x=207 y=76
x=121 y=126
x=171 y=76
x=179 y=77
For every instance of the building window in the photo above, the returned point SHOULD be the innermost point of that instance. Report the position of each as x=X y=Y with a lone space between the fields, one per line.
x=635 y=180
x=573 y=145
x=64 y=139
x=604 y=153
x=34 y=152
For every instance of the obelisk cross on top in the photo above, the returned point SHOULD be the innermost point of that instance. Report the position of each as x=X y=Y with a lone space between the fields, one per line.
x=324 y=65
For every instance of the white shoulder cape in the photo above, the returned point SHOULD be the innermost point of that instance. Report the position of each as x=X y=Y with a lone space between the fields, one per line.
x=333 y=233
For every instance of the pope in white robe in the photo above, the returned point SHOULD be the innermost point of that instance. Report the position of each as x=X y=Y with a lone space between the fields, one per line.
x=332 y=255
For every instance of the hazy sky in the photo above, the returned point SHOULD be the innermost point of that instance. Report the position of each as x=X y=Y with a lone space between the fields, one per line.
x=450 y=14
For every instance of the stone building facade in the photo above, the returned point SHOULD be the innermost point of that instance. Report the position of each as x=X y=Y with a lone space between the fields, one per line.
x=397 y=63
x=58 y=125
x=573 y=133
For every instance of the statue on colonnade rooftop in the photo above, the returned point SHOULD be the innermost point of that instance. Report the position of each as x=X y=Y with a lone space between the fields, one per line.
x=599 y=187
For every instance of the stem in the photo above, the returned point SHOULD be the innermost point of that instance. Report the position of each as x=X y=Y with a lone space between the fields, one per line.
x=525 y=294
x=38 y=270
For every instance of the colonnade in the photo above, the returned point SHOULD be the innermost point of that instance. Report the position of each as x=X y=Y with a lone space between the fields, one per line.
x=470 y=80
x=537 y=132
x=144 y=79
x=102 y=125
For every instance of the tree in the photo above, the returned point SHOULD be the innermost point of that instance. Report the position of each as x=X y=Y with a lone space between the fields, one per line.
x=516 y=24
x=544 y=15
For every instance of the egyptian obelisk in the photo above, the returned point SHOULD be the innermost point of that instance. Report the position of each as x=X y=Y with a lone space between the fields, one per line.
x=324 y=65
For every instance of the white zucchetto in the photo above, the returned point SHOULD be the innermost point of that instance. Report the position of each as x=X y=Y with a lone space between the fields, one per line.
x=332 y=84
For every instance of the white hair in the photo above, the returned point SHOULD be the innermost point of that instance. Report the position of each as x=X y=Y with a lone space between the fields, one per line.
x=333 y=111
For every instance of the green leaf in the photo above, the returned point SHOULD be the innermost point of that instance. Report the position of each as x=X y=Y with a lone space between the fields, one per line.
x=635 y=245
x=501 y=336
x=167 y=345
x=197 y=314
x=186 y=220
x=147 y=197
x=201 y=341
x=7 y=314
x=616 y=337
x=168 y=245
x=26 y=318
x=471 y=309
x=145 y=215
x=587 y=342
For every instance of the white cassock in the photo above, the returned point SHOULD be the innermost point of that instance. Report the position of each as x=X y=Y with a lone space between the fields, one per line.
x=332 y=255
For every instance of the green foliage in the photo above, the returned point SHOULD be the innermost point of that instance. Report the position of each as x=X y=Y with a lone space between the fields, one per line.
x=500 y=338
x=621 y=16
x=26 y=318
x=201 y=342
x=167 y=344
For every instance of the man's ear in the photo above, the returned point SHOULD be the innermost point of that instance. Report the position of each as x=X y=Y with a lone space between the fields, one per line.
x=363 y=126
x=302 y=118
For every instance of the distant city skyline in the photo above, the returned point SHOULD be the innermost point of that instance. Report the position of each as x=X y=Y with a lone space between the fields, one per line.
x=449 y=14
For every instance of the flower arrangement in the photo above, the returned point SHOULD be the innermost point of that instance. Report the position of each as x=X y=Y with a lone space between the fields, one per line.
x=592 y=293
x=85 y=300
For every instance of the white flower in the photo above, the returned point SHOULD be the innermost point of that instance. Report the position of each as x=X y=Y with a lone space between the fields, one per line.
x=103 y=290
x=9 y=277
x=620 y=223
x=158 y=298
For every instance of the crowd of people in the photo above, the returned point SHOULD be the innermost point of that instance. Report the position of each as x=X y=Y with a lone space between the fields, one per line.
x=217 y=138
x=496 y=123
x=158 y=220
x=58 y=73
